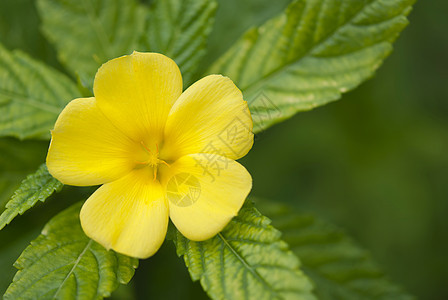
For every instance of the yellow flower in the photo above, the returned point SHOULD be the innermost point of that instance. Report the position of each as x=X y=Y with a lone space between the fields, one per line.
x=158 y=153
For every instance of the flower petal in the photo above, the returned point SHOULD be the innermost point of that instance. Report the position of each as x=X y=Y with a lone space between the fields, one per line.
x=86 y=148
x=136 y=93
x=209 y=117
x=129 y=215
x=205 y=194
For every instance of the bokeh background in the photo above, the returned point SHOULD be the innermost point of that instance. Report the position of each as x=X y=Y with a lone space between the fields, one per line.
x=375 y=163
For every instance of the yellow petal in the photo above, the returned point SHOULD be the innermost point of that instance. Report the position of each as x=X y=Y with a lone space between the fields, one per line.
x=129 y=215
x=209 y=117
x=204 y=193
x=136 y=93
x=86 y=148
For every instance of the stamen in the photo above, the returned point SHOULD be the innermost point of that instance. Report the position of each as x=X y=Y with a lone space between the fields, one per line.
x=153 y=160
x=165 y=163
x=146 y=148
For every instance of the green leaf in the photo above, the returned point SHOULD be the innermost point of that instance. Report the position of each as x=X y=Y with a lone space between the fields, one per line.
x=247 y=260
x=310 y=54
x=36 y=187
x=338 y=267
x=63 y=263
x=179 y=29
x=31 y=95
x=87 y=33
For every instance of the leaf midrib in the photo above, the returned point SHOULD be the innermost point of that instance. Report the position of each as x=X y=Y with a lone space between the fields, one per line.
x=73 y=268
x=274 y=73
x=34 y=102
x=246 y=264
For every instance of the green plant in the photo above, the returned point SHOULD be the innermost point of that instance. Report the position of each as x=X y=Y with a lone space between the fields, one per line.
x=305 y=57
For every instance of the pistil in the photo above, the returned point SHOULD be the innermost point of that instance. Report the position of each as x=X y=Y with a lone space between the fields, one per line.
x=153 y=159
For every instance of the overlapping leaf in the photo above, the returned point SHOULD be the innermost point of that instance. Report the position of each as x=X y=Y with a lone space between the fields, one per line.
x=36 y=187
x=304 y=58
x=247 y=260
x=179 y=29
x=63 y=263
x=309 y=55
x=337 y=266
x=87 y=33
x=31 y=95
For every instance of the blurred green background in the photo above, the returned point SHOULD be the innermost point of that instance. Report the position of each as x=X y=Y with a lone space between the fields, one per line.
x=374 y=163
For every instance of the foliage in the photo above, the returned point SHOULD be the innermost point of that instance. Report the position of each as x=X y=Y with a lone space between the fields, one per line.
x=311 y=54
x=303 y=58
x=247 y=260
x=180 y=29
x=31 y=95
x=36 y=187
x=63 y=263
x=338 y=267
x=88 y=33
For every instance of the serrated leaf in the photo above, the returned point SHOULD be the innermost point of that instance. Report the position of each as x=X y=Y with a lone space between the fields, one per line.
x=63 y=263
x=247 y=260
x=338 y=267
x=179 y=29
x=87 y=33
x=31 y=95
x=36 y=187
x=310 y=54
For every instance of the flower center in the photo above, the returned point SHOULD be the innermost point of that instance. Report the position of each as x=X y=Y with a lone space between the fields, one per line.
x=153 y=160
